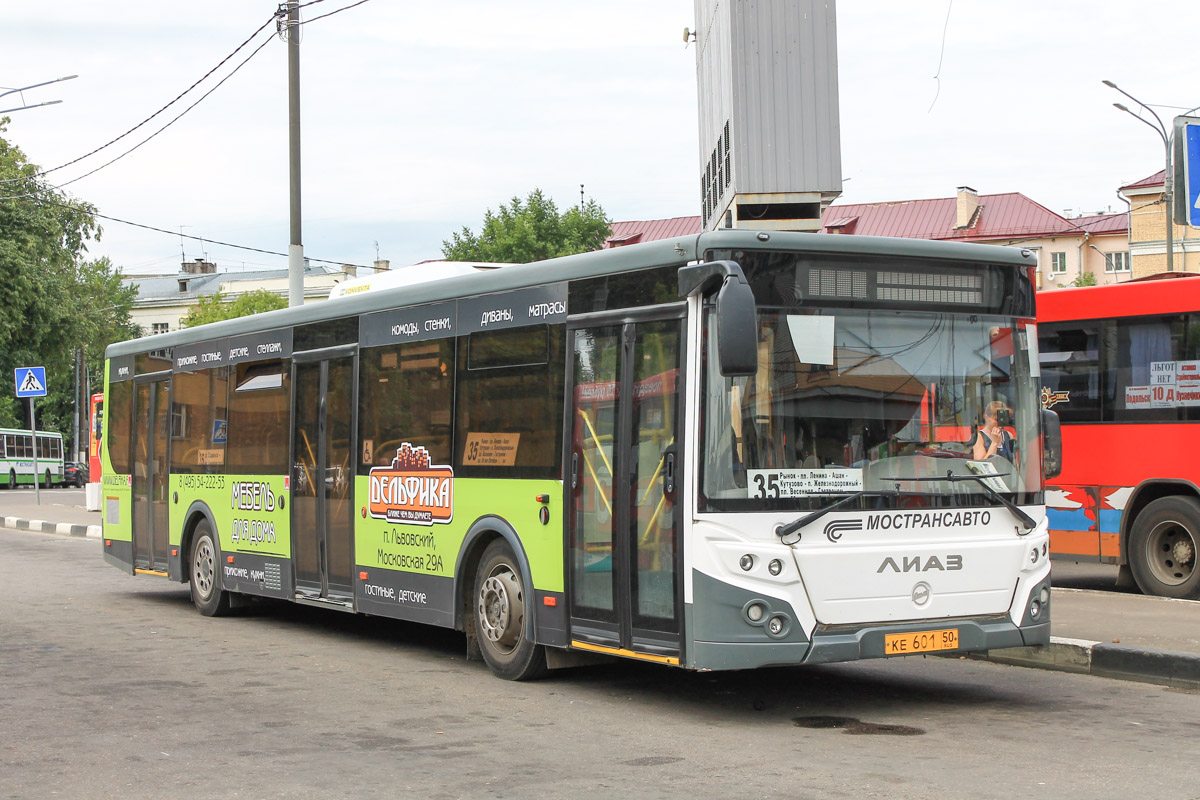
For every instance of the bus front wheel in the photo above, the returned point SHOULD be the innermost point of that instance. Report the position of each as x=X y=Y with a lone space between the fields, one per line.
x=1163 y=548
x=500 y=602
x=205 y=573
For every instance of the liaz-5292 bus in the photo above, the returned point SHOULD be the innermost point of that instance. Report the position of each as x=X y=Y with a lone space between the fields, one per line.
x=17 y=458
x=1121 y=367
x=723 y=451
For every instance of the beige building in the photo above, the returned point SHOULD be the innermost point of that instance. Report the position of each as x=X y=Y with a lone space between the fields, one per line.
x=1148 y=218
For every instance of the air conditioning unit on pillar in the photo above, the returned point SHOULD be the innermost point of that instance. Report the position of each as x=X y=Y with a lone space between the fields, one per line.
x=770 y=136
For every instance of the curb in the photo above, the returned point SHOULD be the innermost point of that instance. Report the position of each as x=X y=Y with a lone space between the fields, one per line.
x=1121 y=661
x=64 y=528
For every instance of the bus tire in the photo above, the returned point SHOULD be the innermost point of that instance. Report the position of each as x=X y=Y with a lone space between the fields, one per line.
x=500 y=600
x=1163 y=548
x=204 y=573
x=12 y=479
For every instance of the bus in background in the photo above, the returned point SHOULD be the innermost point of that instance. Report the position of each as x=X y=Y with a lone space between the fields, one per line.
x=723 y=451
x=92 y=493
x=17 y=458
x=1121 y=366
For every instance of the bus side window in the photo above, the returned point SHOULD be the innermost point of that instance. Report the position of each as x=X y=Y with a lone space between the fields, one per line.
x=509 y=409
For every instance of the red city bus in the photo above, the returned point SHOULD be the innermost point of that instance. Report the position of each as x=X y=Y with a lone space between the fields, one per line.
x=1121 y=367
x=97 y=418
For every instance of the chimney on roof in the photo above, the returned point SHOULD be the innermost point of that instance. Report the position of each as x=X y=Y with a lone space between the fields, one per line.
x=966 y=208
x=199 y=267
x=382 y=265
x=350 y=270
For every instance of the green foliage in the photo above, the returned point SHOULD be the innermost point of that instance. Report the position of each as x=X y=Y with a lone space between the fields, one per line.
x=532 y=230
x=214 y=308
x=1084 y=279
x=53 y=301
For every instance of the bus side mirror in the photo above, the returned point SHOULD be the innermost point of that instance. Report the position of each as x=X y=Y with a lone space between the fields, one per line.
x=1051 y=444
x=737 y=329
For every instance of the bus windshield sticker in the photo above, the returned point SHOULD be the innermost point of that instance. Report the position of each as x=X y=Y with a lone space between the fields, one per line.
x=812 y=337
x=411 y=490
x=987 y=468
x=491 y=449
x=770 y=484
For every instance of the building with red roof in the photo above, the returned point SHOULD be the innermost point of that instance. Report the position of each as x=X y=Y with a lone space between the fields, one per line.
x=1066 y=248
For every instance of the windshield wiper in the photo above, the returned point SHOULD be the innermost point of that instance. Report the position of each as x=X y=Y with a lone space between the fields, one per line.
x=1027 y=521
x=791 y=527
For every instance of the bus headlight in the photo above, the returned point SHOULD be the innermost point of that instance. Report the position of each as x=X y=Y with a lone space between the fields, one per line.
x=746 y=562
x=1035 y=608
x=755 y=612
x=775 y=567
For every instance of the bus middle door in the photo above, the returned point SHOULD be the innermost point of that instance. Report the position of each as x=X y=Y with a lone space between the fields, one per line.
x=322 y=479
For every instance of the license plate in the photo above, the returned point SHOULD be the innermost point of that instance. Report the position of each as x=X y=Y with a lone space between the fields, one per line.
x=900 y=644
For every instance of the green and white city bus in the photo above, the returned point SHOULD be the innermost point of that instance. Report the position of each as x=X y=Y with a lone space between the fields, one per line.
x=16 y=458
x=722 y=451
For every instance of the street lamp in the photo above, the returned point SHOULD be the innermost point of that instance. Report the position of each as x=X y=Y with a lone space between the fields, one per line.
x=34 y=86
x=1161 y=130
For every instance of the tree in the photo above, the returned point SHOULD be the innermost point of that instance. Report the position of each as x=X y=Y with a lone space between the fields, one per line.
x=215 y=308
x=53 y=301
x=532 y=230
x=1084 y=279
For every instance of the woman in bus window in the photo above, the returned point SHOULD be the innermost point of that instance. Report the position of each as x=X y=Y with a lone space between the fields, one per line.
x=992 y=439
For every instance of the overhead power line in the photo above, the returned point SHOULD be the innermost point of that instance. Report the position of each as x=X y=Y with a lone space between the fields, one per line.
x=178 y=97
x=207 y=239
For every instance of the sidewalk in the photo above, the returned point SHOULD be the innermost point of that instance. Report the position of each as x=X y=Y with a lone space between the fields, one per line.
x=52 y=516
x=1110 y=634
x=1125 y=636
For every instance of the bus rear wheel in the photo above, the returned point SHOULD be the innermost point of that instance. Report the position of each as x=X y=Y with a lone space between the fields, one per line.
x=500 y=602
x=1163 y=548
x=12 y=479
x=205 y=573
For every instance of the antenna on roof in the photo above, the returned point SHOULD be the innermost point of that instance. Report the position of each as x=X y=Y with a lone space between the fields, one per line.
x=182 y=254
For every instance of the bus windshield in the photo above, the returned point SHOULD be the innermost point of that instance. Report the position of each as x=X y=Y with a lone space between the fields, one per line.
x=850 y=400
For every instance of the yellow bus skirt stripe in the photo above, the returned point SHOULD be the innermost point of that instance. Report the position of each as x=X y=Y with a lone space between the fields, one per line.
x=149 y=572
x=617 y=651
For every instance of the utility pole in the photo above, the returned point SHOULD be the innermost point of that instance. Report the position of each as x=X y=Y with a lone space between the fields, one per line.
x=75 y=438
x=1161 y=130
x=296 y=247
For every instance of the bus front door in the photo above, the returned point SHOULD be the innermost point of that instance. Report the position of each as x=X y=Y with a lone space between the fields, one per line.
x=151 y=429
x=623 y=474
x=323 y=478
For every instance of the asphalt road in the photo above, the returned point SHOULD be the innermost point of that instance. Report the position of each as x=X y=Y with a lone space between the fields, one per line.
x=113 y=686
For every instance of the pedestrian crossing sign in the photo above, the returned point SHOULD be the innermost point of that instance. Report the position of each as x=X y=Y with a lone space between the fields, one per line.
x=31 y=381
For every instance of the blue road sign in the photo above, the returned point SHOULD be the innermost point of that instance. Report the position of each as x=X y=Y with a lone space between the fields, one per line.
x=31 y=381
x=1187 y=171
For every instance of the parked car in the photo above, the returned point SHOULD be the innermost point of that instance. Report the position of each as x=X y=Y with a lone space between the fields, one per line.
x=74 y=474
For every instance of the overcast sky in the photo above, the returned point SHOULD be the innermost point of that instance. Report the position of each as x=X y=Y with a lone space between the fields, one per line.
x=417 y=117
